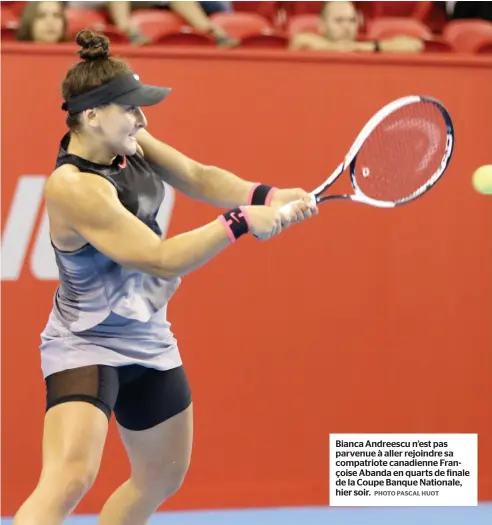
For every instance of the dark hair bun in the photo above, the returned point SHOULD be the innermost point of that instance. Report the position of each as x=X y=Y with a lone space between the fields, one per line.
x=94 y=46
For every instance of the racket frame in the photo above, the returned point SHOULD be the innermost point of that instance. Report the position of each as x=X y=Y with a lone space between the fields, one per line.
x=351 y=157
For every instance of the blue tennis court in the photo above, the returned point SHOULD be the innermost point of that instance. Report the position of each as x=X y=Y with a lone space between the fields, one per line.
x=481 y=515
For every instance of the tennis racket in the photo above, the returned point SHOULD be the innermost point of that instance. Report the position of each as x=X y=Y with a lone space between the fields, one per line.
x=399 y=155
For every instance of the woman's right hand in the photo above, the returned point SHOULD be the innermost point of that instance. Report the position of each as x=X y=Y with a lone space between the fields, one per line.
x=265 y=221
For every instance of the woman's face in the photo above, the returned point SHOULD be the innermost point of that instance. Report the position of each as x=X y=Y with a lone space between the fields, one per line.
x=117 y=126
x=48 y=24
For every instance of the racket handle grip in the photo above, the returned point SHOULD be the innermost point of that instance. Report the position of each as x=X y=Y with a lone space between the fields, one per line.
x=286 y=210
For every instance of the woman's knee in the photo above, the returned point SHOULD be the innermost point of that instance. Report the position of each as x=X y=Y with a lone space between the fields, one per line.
x=173 y=480
x=160 y=482
x=77 y=484
x=168 y=485
x=68 y=483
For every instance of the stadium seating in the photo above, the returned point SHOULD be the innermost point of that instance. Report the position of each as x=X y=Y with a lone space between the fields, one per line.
x=78 y=19
x=302 y=8
x=388 y=27
x=9 y=24
x=416 y=10
x=430 y=13
x=268 y=10
x=469 y=36
x=251 y=28
x=14 y=7
x=271 y=24
x=303 y=24
x=166 y=28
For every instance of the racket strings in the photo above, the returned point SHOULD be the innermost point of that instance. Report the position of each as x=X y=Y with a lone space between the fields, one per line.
x=403 y=153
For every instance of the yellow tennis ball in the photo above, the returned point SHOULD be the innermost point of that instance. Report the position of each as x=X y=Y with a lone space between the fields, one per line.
x=482 y=179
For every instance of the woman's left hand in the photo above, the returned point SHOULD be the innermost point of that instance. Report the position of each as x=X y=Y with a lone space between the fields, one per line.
x=302 y=205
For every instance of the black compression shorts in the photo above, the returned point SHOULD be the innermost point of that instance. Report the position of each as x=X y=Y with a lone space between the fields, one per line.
x=140 y=397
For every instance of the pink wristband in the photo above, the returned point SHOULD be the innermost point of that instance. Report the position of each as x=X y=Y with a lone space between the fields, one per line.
x=236 y=222
x=269 y=196
x=261 y=195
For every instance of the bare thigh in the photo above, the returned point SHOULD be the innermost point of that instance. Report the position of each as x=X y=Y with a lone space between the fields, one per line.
x=74 y=435
x=73 y=442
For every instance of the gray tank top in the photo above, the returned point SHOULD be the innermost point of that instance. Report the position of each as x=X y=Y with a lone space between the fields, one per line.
x=92 y=286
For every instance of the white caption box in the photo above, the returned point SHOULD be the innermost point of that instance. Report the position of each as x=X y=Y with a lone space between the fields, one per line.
x=403 y=470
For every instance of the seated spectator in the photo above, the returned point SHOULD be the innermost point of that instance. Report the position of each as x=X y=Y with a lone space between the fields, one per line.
x=195 y=13
x=339 y=27
x=43 y=22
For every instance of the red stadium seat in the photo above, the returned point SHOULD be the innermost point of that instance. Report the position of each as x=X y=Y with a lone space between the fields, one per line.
x=437 y=45
x=9 y=19
x=417 y=10
x=485 y=47
x=288 y=10
x=191 y=38
x=8 y=34
x=389 y=27
x=303 y=8
x=15 y=8
x=153 y=22
x=9 y=25
x=166 y=28
x=469 y=36
x=456 y=28
x=303 y=24
x=79 y=19
x=242 y=25
x=268 y=10
x=251 y=28
x=431 y=13
x=115 y=35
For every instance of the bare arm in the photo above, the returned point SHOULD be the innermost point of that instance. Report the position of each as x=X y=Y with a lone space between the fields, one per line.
x=205 y=183
x=312 y=42
x=402 y=44
x=397 y=44
x=89 y=205
x=309 y=42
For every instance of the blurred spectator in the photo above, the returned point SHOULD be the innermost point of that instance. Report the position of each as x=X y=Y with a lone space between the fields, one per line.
x=459 y=10
x=43 y=22
x=195 y=13
x=339 y=28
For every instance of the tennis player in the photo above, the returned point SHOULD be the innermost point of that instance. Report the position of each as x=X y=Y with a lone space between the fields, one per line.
x=107 y=346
